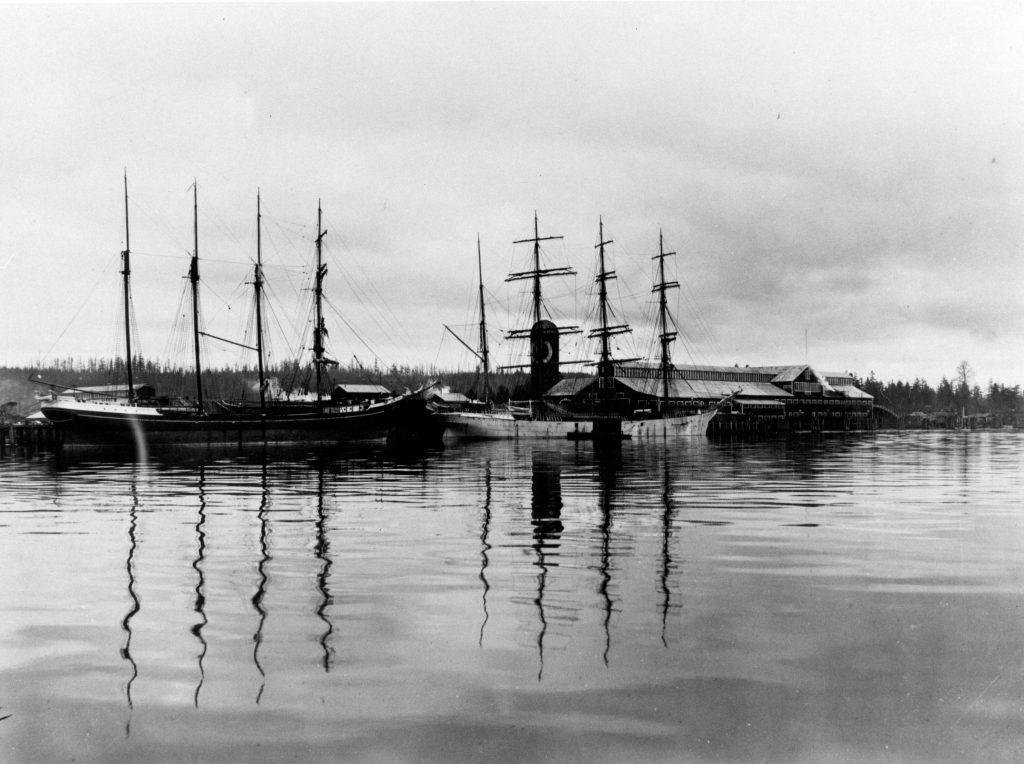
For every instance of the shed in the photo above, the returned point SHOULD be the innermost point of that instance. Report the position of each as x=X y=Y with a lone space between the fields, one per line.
x=351 y=393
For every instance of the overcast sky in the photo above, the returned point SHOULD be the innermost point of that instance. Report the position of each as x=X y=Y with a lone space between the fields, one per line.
x=843 y=182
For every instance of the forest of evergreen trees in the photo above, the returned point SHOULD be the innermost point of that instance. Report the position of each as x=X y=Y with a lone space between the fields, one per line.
x=22 y=385
x=957 y=394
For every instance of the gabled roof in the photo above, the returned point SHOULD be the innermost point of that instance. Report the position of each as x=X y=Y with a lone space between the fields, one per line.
x=789 y=374
x=682 y=389
x=363 y=389
x=569 y=387
x=447 y=396
x=678 y=389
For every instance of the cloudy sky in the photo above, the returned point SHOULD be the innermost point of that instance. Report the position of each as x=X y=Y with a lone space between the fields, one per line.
x=843 y=182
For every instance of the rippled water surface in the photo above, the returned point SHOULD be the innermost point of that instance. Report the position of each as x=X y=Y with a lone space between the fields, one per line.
x=840 y=599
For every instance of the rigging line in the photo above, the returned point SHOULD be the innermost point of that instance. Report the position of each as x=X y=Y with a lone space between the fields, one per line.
x=219 y=261
x=104 y=274
x=355 y=332
x=385 y=319
x=173 y=235
x=367 y=284
x=361 y=340
x=210 y=214
x=271 y=319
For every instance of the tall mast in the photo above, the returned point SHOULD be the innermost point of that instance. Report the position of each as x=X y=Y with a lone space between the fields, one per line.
x=484 y=356
x=536 y=267
x=666 y=337
x=193 y=276
x=319 y=330
x=536 y=274
x=126 y=272
x=605 y=331
x=258 y=285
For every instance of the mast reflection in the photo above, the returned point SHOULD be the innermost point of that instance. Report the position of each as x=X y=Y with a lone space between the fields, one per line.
x=322 y=553
x=609 y=457
x=666 y=550
x=546 y=516
x=261 y=573
x=197 y=564
x=485 y=547
x=126 y=650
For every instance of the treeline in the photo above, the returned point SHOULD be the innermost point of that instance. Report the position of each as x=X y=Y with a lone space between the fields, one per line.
x=21 y=385
x=956 y=395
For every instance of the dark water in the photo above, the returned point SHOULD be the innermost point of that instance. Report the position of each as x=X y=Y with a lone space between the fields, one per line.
x=838 y=599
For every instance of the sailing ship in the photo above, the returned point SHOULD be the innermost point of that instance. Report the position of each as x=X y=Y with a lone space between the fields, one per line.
x=536 y=419
x=666 y=422
x=594 y=416
x=139 y=419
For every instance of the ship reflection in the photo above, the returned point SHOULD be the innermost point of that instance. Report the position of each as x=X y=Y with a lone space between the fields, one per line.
x=262 y=578
x=580 y=538
x=317 y=539
x=322 y=553
x=485 y=547
x=546 y=518
x=609 y=459
x=136 y=606
x=667 y=564
x=198 y=565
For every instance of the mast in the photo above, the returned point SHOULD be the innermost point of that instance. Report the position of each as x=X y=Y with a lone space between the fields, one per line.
x=666 y=337
x=605 y=331
x=319 y=330
x=258 y=285
x=126 y=272
x=484 y=356
x=193 y=276
x=536 y=267
x=536 y=274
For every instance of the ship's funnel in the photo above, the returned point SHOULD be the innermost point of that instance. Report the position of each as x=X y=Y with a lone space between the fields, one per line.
x=544 y=372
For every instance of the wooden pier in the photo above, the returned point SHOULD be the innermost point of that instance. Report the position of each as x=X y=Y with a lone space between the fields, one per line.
x=26 y=436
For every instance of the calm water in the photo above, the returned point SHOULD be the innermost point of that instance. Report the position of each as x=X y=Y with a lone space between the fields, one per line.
x=841 y=599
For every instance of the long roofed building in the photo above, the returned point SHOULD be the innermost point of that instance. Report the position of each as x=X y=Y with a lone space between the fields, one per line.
x=761 y=397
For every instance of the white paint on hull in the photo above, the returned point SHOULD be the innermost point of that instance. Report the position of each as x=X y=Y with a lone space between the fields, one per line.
x=669 y=428
x=469 y=425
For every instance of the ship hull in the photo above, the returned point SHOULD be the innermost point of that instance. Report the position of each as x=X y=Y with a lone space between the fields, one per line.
x=496 y=426
x=671 y=427
x=82 y=424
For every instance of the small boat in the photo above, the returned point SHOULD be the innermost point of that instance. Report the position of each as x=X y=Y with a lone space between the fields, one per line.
x=134 y=419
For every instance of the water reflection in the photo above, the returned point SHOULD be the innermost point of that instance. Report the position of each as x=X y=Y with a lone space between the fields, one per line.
x=609 y=459
x=485 y=547
x=667 y=565
x=262 y=578
x=813 y=593
x=126 y=649
x=322 y=554
x=198 y=565
x=546 y=514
